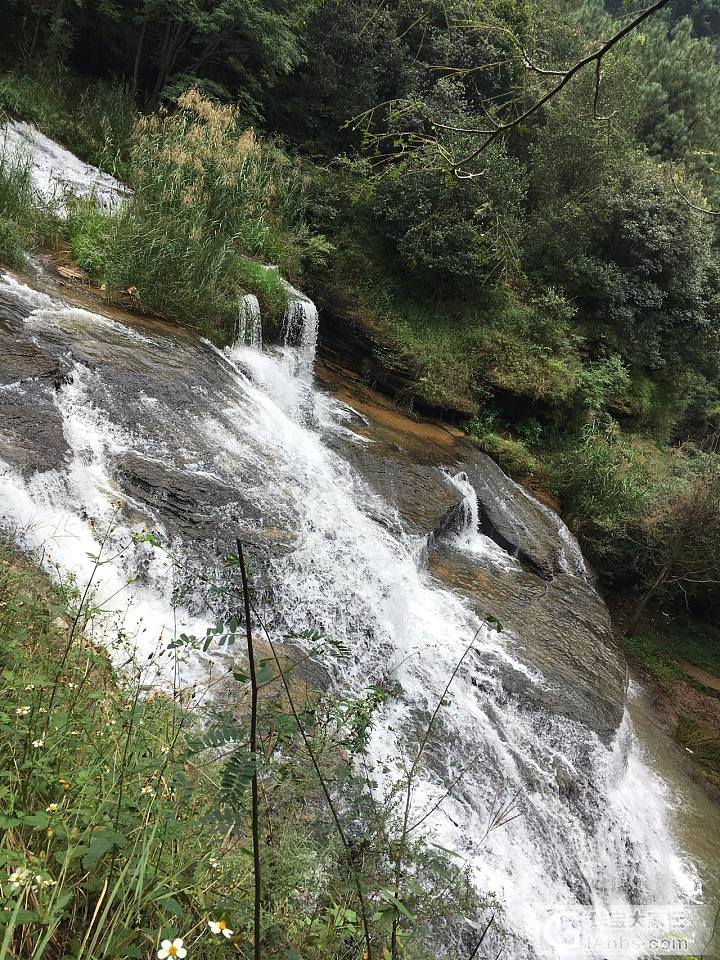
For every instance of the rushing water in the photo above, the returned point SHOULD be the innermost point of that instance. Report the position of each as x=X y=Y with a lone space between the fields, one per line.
x=141 y=427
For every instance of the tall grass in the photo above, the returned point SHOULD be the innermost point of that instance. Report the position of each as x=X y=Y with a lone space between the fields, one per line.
x=94 y=120
x=211 y=205
x=26 y=220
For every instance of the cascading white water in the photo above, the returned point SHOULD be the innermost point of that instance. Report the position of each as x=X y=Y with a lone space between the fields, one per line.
x=55 y=171
x=300 y=328
x=468 y=537
x=249 y=329
x=354 y=574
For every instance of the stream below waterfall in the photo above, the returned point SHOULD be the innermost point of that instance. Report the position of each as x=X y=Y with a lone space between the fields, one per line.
x=394 y=537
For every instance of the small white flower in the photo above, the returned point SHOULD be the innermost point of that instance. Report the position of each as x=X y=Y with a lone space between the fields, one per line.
x=48 y=883
x=213 y=863
x=19 y=877
x=30 y=686
x=219 y=926
x=52 y=808
x=22 y=711
x=42 y=710
x=172 y=948
x=38 y=743
x=147 y=790
x=72 y=686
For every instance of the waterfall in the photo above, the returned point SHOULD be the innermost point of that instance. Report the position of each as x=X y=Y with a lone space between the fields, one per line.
x=249 y=327
x=55 y=171
x=221 y=440
x=468 y=537
x=300 y=328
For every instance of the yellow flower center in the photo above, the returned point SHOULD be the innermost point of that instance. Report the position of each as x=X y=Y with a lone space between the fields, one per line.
x=222 y=925
x=172 y=950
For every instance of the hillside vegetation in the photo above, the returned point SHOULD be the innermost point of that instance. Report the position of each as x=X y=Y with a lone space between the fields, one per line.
x=555 y=281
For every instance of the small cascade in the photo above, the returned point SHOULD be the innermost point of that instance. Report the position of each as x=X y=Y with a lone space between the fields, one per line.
x=465 y=526
x=300 y=328
x=249 y=325
x=57 y=173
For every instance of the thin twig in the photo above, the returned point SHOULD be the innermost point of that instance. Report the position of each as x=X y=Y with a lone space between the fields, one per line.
x=253 y=751
x=326 y=792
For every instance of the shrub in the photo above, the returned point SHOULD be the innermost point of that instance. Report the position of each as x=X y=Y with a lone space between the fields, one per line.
x=89 y=230
x=447 y=230
x=512 y=455
x=604 y=488
x=529 y=350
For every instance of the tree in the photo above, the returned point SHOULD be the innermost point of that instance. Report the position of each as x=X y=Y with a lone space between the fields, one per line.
x=454 y=232
x=682 y=555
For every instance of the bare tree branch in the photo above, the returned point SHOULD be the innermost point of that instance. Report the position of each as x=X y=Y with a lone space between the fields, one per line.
x=459 y=167
x=708 y=211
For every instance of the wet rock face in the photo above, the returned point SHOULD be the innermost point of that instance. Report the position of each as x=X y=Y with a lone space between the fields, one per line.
x=536 y=585
x=511 y=517
x=532 y=580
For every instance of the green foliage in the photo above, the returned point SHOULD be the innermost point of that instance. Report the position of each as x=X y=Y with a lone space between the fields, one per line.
x=679 y=95
x=447 y=230
x=88 y=230
x=702 y=740
x=643 y=647
x=231 y=48
x=126 y=822
x=94 y=120
x=604 y=489
x=512 y=455
x=604 y=384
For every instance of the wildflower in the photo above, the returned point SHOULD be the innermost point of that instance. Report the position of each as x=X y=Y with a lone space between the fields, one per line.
x=213 y=863
x=52 y=808
x=19 y=877
x=72 y=686
x=48 y=882
x=30 y=686
x=38 y=743
x=22 y=711
x=219 y=926
x=75 y=733
x=172 y=948
x=42 y=710
x=147 y=790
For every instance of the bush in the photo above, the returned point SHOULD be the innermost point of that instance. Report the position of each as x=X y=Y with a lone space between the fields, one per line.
x=447 y=230
x=89 y=229
x=605 y=490
x=512 y=455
